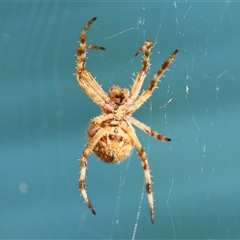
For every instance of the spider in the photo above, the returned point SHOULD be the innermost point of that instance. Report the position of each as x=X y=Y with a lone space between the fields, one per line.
x=111 y=135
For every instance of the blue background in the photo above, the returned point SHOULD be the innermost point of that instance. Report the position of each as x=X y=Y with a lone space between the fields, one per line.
x=44 y=115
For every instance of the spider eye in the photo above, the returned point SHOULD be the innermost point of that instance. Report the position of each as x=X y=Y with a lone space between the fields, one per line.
x=119 y=99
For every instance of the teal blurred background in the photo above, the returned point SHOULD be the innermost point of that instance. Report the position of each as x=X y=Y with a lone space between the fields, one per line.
x=45 y=114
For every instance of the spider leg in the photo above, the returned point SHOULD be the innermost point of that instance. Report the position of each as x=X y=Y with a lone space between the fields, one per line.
x=147 y=93
x=83 y=166
x=146 y=48
x=82 y=50
x=145 y=165
x=84 y=78
x=147 y=129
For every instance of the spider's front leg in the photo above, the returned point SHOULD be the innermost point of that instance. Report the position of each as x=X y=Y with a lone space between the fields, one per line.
x=83 y=166
x=146 y=48
x=153 y=84
x=83 y=47
x=84 y=78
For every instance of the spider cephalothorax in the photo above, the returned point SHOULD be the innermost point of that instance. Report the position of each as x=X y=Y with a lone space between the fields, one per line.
x=118 y=95
x=111 y=135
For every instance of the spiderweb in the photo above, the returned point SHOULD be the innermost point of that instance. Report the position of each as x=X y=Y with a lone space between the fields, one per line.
x=45 y=116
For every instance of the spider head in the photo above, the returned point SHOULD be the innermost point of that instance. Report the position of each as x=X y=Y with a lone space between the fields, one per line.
x=118 y=95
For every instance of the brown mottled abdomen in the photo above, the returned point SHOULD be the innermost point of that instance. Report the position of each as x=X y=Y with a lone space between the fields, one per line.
x=113 y=146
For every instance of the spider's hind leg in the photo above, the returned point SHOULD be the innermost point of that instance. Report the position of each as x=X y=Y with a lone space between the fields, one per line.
x=146 y=169
x=83 y=167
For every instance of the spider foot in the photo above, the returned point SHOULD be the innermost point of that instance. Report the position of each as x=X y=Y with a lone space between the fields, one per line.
x=91 y=208
x=146 y=47
x=95 y=47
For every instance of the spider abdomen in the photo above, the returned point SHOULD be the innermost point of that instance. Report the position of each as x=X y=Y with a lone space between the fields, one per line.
x=113 y=146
